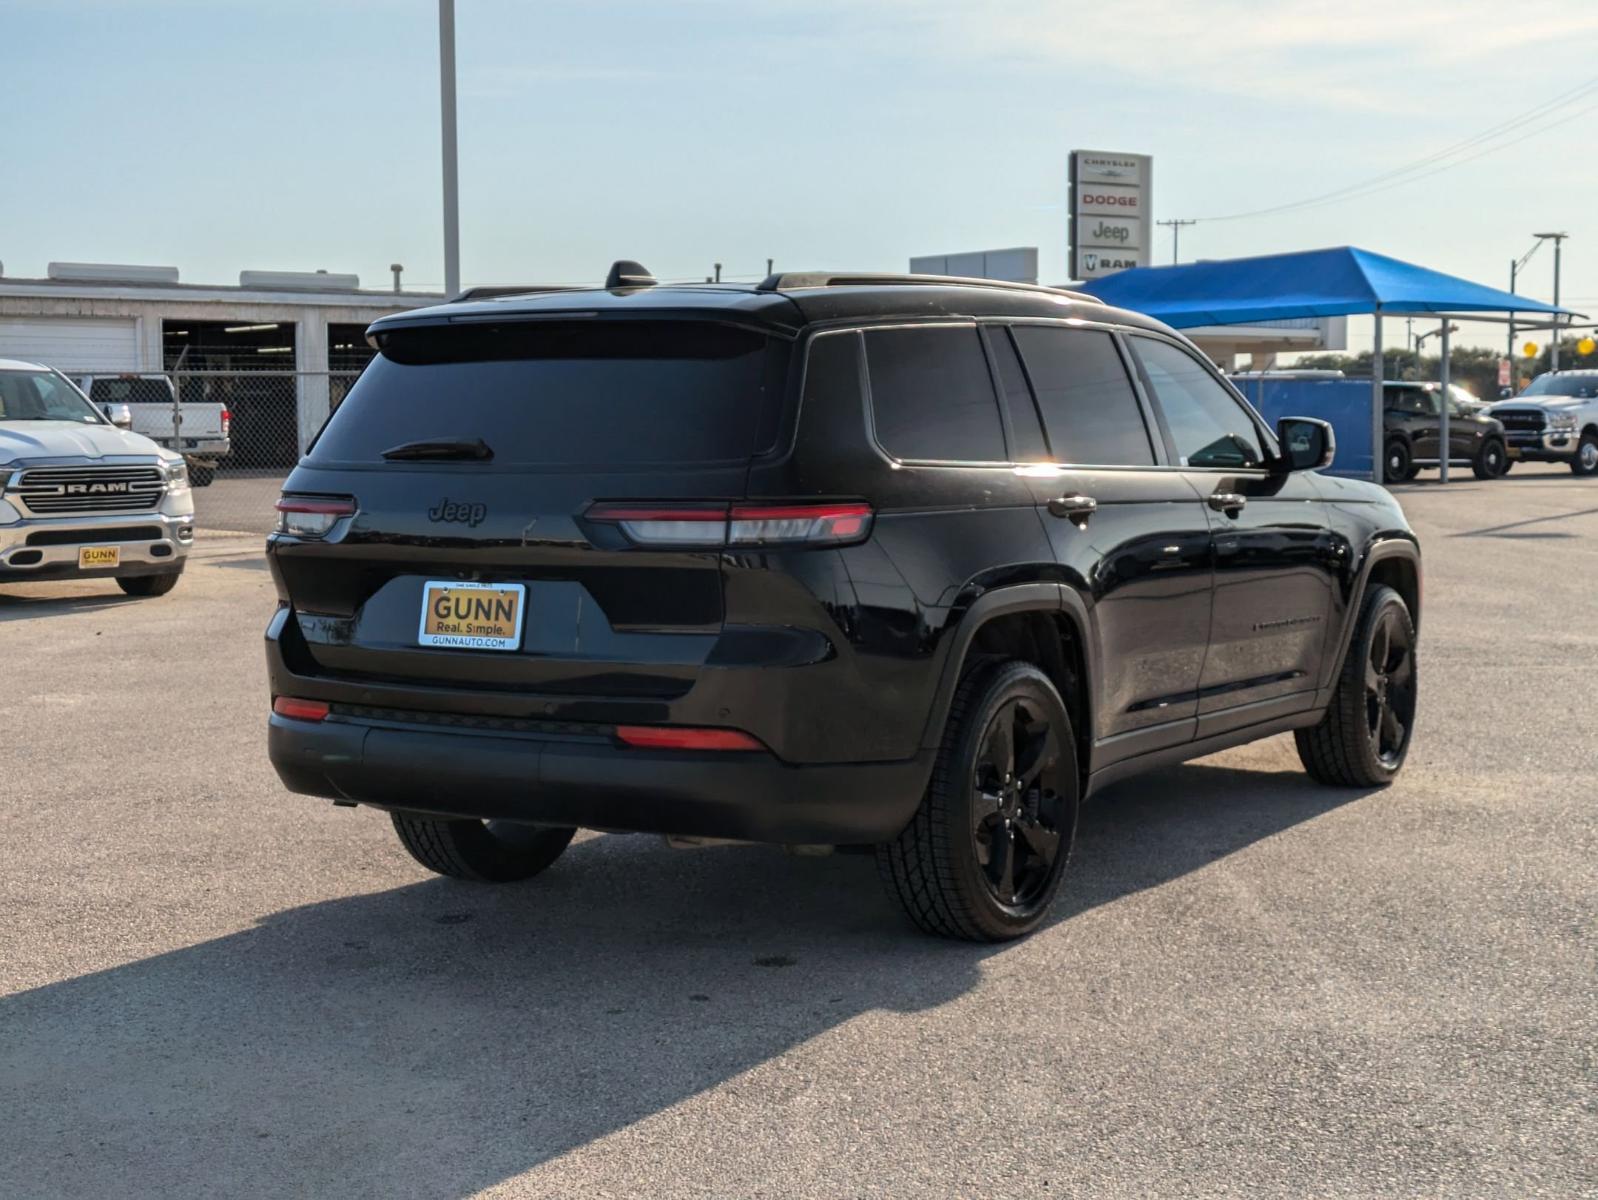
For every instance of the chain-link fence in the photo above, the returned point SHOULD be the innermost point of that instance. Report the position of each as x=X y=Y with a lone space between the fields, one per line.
x=240 y=431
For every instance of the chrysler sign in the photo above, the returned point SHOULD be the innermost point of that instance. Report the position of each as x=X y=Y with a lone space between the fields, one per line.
x=1111 y=226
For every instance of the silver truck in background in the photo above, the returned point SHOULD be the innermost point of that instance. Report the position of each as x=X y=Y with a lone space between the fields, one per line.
x=81 y=496
x=198 y=430
x=1554 y=420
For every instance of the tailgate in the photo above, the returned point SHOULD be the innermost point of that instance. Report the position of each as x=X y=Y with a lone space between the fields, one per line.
x=558 y=603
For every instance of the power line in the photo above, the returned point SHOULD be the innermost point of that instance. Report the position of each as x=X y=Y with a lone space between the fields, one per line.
x=1381 y=182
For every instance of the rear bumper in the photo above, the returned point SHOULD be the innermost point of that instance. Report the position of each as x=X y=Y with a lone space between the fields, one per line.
x=589 y=780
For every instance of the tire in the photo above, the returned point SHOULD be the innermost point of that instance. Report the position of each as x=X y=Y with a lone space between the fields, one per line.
x=1491 y=461
x=1586 y=460
x=1397 y=464
x=977 y=839
x=202 y=476
x=149 y=585
x=481 y=851
x=1354 y=745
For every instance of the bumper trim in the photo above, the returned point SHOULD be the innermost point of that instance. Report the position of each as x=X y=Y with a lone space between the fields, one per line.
x=593 y=783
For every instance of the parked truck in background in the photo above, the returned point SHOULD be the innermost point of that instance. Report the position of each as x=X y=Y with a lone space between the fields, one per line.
x=1554 y=420
x=198 y=430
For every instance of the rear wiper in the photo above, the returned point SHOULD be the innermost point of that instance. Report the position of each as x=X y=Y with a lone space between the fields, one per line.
x=442 y=449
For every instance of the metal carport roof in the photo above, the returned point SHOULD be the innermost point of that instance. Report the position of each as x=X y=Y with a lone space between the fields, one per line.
x=1340 y=281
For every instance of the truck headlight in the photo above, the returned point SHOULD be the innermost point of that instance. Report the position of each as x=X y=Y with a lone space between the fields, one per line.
x=177 y=474
x=8 y=515
x=1562 y=422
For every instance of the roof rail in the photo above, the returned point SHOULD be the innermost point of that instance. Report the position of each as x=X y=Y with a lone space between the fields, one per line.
x=792 y=280
x=493 y=291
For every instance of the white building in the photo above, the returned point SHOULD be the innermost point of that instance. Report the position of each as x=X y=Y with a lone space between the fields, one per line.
x=307 y=327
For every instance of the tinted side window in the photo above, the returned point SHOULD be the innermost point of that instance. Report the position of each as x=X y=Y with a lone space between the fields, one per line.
x=1089 y=408
x=1025 y=429
x=1208 y=425
x=931 y=395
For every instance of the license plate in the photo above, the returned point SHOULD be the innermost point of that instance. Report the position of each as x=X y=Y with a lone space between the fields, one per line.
x=472 y=616
x=99 y=556
x=1512 y=451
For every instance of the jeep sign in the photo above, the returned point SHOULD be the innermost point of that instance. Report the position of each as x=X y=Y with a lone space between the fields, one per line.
x=1111 y=224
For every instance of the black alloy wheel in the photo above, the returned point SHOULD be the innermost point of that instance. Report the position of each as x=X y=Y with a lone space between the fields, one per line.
x=983 y=857
x=1390 y=686
x=1363 y=738
x=1018 y=807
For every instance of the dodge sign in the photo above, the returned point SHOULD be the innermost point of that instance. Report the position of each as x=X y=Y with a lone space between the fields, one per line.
x=1110 y=218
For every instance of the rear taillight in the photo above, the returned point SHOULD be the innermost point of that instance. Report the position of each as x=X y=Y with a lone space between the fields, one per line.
x=311 y=516
x=678 y=737
x=227 y=421
x=300 y=710
x=693 y=524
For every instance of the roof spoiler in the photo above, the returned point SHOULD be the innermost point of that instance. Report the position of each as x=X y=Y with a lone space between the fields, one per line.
x=493 y=291
x=792 y=280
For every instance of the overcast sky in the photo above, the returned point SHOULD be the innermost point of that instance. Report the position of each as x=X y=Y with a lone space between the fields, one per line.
x=216 y=136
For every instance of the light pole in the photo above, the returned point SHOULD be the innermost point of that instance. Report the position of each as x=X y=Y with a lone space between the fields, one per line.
x=446 y=111
x=1558 y=239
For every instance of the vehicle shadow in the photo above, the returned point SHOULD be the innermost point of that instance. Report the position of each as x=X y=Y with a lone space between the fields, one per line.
x=437 y=1038
x=23 y=606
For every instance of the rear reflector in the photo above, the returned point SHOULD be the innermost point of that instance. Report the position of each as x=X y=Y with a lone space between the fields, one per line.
x=300 y=710
x=668 y=737
x=708 y=524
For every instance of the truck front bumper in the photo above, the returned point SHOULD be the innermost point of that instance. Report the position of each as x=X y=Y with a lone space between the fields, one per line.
x=1546 y=446
x=46 y=548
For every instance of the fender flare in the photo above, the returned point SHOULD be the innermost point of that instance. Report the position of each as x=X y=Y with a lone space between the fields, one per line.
x=1384 y=546
x=1001 y=602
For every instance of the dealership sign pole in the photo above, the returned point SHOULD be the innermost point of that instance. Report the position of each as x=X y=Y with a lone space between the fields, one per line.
x=446 y=112
x=1111 y=209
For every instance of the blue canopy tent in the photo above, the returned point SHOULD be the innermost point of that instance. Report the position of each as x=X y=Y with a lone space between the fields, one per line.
x=1340 y=281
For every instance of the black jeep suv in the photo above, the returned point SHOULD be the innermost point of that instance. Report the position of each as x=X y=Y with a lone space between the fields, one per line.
x=868 y=561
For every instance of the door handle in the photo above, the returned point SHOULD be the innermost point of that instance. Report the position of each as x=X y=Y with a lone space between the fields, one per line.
x=1073 y=506
x=1227 y=501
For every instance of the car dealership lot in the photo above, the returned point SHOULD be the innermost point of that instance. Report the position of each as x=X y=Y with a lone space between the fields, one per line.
x=1254 y=986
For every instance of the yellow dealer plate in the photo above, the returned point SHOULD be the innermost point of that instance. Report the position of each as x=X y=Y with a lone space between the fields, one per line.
x=472 y=616
x=98 y=557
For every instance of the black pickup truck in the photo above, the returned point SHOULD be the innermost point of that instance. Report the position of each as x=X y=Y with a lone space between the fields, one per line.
x=1413 y=426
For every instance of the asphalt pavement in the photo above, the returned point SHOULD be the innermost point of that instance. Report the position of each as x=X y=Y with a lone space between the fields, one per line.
x=1252 y=986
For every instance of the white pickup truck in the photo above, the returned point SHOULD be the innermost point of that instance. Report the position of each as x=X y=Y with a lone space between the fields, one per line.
x=81 y=496
x=198 y=430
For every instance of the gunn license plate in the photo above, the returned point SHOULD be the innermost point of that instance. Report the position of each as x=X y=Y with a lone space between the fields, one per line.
x=472 y=616
x=99 y=556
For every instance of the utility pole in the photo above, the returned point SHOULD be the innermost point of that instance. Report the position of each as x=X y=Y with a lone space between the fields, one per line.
x=446 y=111
x=1514 y=269
x=1558 y=239
x=1176 y=236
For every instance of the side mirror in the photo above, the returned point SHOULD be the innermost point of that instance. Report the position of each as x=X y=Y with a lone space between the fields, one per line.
x=1307 y=444
x=119 y=415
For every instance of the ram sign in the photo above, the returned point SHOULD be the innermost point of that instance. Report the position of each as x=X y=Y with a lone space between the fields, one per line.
x=1111 y=221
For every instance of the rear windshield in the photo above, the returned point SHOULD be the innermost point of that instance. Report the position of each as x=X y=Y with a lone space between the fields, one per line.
x=131 y=391
x=567 y=393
